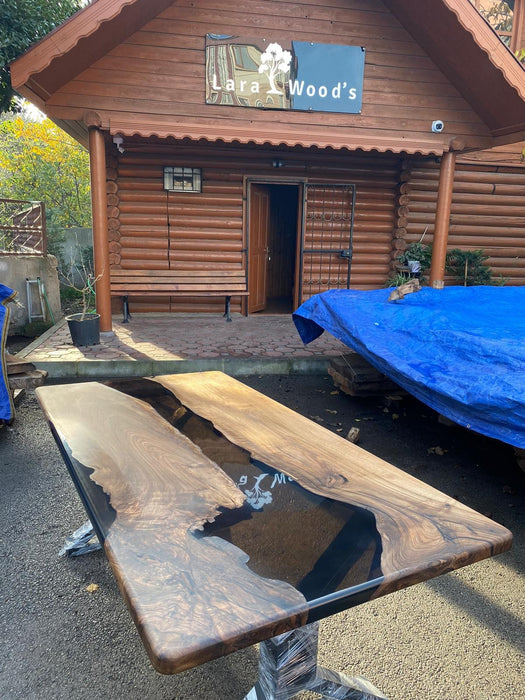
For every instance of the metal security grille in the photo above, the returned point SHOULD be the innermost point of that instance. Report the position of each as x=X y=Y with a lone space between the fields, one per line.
x=326 y=242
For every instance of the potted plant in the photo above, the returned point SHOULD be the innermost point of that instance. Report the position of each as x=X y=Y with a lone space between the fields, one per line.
x=416 y=258
x=84 y=325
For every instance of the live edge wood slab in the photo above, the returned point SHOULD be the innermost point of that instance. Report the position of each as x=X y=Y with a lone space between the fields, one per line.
x=228 y=518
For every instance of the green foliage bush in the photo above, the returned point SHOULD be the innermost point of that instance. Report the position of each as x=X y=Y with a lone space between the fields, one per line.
x=417 y=251
x=468 y=267
x=22 y=23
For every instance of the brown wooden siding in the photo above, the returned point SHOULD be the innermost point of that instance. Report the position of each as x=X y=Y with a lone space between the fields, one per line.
x=153 y=229
x=158 y=73
x=488 y=212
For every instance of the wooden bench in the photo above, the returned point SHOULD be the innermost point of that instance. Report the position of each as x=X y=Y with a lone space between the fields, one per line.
x=168 y=283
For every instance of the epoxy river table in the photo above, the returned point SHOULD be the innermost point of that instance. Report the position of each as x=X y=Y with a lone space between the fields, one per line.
x=229 y=519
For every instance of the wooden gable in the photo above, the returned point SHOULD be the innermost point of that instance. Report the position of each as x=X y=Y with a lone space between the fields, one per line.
x=147 y=77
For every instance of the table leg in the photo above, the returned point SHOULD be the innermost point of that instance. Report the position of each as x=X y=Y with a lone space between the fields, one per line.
x=288 y=665
x=82 y=541
x=227 y=314
x=125 y=310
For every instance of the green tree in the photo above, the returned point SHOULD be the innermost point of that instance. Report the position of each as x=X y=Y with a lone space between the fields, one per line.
x=22 y=22
x=40 y=162
x=468 y=267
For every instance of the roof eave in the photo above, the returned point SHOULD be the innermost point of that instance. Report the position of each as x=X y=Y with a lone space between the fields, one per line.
x=347 y=139
x=497 y=69
x=70 y=48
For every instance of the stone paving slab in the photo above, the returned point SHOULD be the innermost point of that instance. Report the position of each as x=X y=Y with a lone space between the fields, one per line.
x=164 y=343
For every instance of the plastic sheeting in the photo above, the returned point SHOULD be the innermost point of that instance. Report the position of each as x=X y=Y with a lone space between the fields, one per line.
x=7 y=411
x=82 y=541
x=288 y=665
x=460 y=350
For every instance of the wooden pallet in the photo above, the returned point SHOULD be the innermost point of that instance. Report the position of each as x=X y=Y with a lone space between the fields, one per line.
x=16 y=365
x=353 y=375
x=22 y=374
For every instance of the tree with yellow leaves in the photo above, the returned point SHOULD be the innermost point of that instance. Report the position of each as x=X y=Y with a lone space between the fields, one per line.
x=40 y=162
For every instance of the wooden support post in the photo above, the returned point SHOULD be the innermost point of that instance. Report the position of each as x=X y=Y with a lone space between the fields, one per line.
x=97 y=161
x=444 y=201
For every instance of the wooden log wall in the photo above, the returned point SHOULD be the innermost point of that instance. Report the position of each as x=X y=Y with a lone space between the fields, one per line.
x=162 y=230
x=150 y=228
x=488 y=212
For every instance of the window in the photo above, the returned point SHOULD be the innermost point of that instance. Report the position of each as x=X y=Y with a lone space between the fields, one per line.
x=182 y=179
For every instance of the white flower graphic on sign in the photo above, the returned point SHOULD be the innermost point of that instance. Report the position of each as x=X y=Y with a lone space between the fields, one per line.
x=273 y=61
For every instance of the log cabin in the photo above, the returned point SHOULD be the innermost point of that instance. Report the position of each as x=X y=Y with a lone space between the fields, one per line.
x=295 y=146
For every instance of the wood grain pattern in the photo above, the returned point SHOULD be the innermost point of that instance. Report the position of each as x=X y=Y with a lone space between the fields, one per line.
x=167 y=512
x=192 y=598
x=424 y=533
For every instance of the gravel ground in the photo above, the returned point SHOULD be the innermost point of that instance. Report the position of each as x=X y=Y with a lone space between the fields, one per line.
x=458 y=637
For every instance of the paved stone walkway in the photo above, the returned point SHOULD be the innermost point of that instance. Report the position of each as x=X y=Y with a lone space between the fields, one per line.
x=160 y=340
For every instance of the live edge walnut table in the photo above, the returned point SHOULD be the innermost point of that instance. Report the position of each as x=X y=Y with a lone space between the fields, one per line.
x=229 y=519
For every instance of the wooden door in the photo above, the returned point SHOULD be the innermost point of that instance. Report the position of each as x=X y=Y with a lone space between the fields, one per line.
x=258 y=246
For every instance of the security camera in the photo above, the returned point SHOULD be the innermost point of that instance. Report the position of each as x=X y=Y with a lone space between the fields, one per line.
x=118 y=141
x=437 y=126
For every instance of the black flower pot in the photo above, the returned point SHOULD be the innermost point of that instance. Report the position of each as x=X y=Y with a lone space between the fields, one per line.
x=84 y=328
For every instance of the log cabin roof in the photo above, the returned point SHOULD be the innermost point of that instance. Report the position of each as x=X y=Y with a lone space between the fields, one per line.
x=457 y=39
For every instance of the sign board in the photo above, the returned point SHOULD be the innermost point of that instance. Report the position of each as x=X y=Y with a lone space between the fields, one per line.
x=296 y=75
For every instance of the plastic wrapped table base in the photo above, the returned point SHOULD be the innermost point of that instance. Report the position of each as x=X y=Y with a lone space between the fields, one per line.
x=288 y=665
x=82 y=541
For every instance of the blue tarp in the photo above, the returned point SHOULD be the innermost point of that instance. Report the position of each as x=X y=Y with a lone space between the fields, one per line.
x=460 y=350
x=6 y=404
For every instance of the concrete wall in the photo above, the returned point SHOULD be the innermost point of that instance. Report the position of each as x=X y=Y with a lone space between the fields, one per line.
x=76 y=239
x=14 y=270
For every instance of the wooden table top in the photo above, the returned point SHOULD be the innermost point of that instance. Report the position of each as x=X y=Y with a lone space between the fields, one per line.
x=228 y=518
